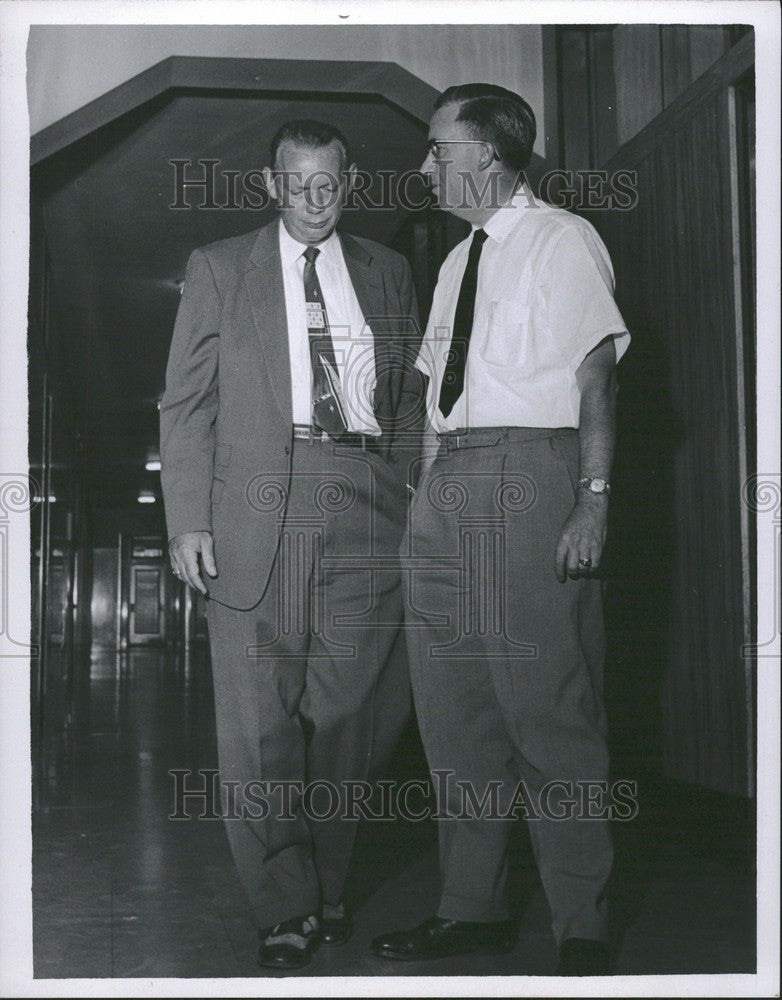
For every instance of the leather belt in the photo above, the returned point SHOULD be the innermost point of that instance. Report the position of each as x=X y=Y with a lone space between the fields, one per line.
x=485 y=437
x=314 y=435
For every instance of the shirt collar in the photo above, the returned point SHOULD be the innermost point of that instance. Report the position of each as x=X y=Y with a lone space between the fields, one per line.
x=291 y=249
x=508 y=215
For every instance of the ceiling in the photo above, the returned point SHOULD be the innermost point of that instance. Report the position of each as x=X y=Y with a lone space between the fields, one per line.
x=117 y=249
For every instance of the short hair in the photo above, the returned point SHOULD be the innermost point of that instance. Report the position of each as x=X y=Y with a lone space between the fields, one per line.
x=310 y=134
x=498 y=116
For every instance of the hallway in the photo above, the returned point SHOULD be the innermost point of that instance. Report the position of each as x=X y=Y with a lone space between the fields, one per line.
x=122 y=693
x=121 y=890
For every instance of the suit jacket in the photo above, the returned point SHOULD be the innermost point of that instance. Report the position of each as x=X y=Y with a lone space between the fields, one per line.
x=225 y=416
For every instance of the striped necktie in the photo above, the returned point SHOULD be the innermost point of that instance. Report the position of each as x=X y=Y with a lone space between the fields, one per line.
x=327 y=410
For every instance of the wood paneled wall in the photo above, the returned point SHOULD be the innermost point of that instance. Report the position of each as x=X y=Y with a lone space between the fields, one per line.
x=614 y=79
x=680 y=541
x=653 y=64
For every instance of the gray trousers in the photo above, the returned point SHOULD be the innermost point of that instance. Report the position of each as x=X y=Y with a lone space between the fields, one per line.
x=506 y=665
x=306 y=687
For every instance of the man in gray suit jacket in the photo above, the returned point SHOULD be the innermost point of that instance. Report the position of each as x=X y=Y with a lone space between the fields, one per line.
x=287 y=427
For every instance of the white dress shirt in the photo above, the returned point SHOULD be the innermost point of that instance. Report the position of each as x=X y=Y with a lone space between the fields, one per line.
x=544 y=299
x=354 y=345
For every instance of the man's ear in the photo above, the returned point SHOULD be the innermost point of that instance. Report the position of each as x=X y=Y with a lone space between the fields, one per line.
x=271 y=183
x=487 y=156
x=350 y=174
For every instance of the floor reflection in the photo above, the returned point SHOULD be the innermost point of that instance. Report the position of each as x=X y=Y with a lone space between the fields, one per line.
x=120 y=889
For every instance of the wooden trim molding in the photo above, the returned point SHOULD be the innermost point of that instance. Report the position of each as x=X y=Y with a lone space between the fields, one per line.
x=377 y=80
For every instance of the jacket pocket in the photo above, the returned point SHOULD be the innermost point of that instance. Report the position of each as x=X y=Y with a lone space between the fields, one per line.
x=217 y=491
x=222 y=455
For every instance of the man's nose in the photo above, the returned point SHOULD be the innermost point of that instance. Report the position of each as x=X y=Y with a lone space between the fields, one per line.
x=428 y=166
x=316 y=203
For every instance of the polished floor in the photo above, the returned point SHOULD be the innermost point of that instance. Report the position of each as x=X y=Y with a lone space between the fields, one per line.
x=122 y=890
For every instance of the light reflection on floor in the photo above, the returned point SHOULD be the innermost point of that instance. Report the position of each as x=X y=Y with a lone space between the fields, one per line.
x=121 y=890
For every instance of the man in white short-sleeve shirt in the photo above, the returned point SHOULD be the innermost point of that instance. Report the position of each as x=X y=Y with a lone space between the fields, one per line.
x=506 y=531
x=544 y=300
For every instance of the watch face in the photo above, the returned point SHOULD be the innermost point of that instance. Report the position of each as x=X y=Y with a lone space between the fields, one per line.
x=598 y=485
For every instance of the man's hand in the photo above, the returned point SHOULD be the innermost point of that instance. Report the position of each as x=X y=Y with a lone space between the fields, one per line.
x=184 y=551
x=582 y=538
x=581 y=542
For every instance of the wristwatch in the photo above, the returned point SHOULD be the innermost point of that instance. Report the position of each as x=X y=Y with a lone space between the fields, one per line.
x=594 y=485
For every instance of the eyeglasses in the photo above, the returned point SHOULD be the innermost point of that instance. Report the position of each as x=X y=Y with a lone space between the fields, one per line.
x=433 y=151
x=432 y=144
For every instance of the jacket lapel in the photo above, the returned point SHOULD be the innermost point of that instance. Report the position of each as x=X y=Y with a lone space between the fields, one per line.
x=263 y=280
x=369 y=287
x=264 y=283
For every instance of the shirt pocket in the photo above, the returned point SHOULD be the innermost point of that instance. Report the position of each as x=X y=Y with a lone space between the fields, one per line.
x=506 y=340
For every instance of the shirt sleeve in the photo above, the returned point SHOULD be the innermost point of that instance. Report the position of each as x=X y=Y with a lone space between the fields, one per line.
x=578 y=288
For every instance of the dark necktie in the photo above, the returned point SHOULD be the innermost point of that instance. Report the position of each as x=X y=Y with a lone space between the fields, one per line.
x=453 y=377
x=327 y=411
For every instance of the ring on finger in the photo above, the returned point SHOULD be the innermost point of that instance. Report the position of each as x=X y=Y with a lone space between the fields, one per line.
x=585 y=563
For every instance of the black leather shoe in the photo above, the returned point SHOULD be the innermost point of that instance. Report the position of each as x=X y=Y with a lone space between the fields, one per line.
x=584 y=957
x=288 y=945
x=438 y=938
x=336 y=929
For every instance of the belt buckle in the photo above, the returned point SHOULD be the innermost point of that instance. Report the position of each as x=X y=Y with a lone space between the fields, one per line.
x=449 y=440
x=317 y=435
x=309 y=433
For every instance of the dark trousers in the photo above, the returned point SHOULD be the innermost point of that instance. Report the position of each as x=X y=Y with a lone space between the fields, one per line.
x=506 y=664
x=306 y=688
